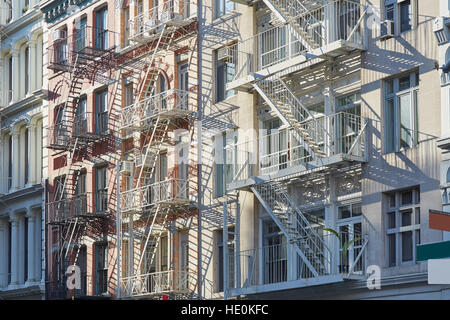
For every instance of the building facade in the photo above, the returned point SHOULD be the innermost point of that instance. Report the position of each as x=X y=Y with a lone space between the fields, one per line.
x=22 y=159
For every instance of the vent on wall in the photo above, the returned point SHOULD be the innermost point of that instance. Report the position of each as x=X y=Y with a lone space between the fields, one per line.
x=440 y=30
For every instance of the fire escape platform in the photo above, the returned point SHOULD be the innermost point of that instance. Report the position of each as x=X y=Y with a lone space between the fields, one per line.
x=294 y=284
x=298 y=63
x=315 y=166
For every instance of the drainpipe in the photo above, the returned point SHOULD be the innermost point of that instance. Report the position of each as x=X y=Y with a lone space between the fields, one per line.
x=118 y=230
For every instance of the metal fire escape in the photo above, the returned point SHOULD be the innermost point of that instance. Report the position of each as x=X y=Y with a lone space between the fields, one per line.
x=73 y=213
x=149 y=208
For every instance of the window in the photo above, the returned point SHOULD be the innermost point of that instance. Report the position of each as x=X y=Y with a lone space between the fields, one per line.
x=81 y=35
x=348 y=124
x=10 y=79
x=164 y=253
x=402 y=220
x=101 y=268
x=26 y=157
x=10 y=163
x=81 y=121
x=225 y=71
x=401 y=12
x=400 y=113
x=126 y=26
x=101 y=189
x=60 y=47
x=231 y=254
x=101 y=107
x=223 y=6
x=274 y=147
x=81 y=206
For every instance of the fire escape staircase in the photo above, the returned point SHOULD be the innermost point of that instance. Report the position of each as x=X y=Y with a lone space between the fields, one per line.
x=297 y=15
x=295 y=226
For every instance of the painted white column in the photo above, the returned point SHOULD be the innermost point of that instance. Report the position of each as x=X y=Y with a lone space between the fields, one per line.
x=3 y=253
x=15 y=75
x=39 y=270
x=32 y=155
x=15 y=160
x=31 y=246
x=32 y=65
x=14 y=249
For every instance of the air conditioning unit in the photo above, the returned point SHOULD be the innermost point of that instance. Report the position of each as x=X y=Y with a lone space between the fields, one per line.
x=224 y=54
x=440 y=30
x=152 y=23
x=127 y=167
x=59 y=35
x=387 y=29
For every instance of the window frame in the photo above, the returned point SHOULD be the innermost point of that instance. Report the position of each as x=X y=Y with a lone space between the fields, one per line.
x=220 y=96
x=397 y=14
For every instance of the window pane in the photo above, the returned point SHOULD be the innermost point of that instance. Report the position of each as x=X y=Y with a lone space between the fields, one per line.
x=406 y=218
x=391 y=220
x=405 y=121
x=406 y=198
x=391 y=200
x=389 y=12
x=407 y=246
x=392 y=250
x=389 y=126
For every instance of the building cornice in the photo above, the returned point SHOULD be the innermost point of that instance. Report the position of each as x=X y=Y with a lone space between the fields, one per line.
x=56 y=9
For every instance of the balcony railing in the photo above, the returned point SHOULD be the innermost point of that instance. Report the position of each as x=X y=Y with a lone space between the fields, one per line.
x=170 y=191
x=69 y=208
x=281 y=149
x=170 y=103
x=280 y=263
x=280 y=44
x=147 y=23
x=157 y=283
